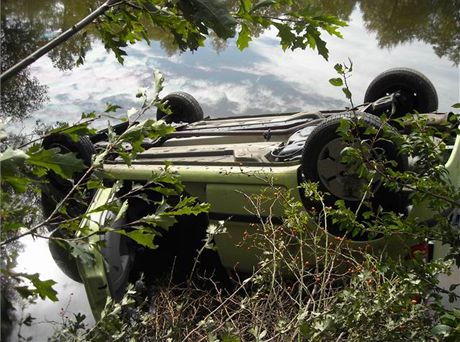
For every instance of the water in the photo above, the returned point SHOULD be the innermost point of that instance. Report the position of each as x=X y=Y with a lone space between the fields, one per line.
x=261 y=79
x=258 y=80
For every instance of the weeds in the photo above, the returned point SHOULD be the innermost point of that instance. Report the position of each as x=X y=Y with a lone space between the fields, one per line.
x=345 y=295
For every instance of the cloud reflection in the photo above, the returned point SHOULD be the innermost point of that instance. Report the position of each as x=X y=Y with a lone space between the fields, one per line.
x=262 y=79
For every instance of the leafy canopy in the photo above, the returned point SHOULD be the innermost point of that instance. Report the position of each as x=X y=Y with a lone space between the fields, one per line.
x=191 y=21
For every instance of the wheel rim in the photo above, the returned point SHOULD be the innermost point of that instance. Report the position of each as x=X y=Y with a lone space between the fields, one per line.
x=337 y=177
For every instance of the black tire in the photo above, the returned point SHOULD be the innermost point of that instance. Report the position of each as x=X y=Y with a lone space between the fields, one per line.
x=416 y=92
x=321 y=163
x=184 y=108
x=64 y=260
x=57 y=187
x=119 y=255
x=176 y=255
x=84 y=149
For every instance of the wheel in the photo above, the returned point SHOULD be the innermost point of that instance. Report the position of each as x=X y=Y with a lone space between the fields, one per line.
x=416 y=92
x=184 y=108
x=176 y=258
x=321 y=163
x=119 y=255
x=64 y=260
x=83 y=148
x=76 y=204
x=57 y=187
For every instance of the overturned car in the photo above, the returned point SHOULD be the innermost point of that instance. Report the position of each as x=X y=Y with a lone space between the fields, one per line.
x=224 y=162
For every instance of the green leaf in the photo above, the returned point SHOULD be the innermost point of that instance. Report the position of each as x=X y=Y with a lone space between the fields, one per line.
x=336 y=82
x=213 y=14
x=18 y=183
x=339 y=68
x=321 y=46
x=159 y=220
x=110 y=107
x=141 y=236
x=122 y=212
x=64 y=165
x=76 y=131
x=132 y=111
x=11 y=155
x=246 y=5
x=262 y=3
x=314 y=37
x=441 y=330
x=158 y=80
x=347 y=92
x=136 y=134
x=456 y=105
x=189 y=206
x=285 y=34
x=24 y=291
x=244 y=37
x=10 y=161
x=94 y=184
x=81 y=252
x=44 y=288
x=91 y=115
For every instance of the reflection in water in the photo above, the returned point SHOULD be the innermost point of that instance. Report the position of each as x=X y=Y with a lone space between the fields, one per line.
x=260 y=79
x=23 y=94
x=72 y=296
x=395 y=22
x=435 y=22
x=27 y=25
x=9 y=298
x=45 y=19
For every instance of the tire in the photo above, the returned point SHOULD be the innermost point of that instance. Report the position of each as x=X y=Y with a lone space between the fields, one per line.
x=321 y=163
x=184 y=108
x=175 y=256
x=416 y=92
x=83 y=148
x=57 y=187
x=119 y=255
x=64 y=260
x=172 y=259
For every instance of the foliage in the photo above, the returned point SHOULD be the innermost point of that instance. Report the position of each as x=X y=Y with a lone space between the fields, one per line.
x=348 y=295
x=191 y=21
x=26 y=169
x=433 y=23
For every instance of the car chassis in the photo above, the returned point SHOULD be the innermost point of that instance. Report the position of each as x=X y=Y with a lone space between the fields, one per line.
x=224 y=162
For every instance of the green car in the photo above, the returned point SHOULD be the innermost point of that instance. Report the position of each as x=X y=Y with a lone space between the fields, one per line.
x=225 y=162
